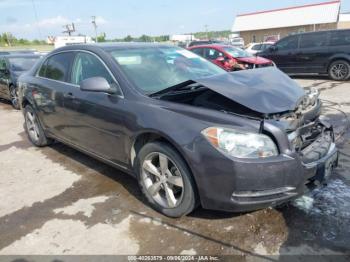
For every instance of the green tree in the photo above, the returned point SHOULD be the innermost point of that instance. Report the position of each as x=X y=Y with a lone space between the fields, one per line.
x=101 y=37
x=128 y=38
x=145 y=38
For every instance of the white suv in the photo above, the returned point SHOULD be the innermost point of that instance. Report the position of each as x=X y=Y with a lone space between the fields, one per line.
x=254 y=48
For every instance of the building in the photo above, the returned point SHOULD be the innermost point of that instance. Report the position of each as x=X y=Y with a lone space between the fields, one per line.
x=182 y=38
x=278 y=23
x=60 y=41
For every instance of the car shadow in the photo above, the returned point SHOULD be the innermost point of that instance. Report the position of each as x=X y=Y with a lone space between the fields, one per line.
x=126 y=180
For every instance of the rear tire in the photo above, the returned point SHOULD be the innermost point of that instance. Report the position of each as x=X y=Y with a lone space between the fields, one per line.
x=165 y=180
x=33 y=128
x=339 y=70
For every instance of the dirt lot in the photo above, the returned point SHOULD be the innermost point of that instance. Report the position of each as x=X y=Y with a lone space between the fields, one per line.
x=55 y=200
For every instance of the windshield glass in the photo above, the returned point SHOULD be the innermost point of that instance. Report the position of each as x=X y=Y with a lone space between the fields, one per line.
x=22 y=63
x=237 y=52
x=154 y=69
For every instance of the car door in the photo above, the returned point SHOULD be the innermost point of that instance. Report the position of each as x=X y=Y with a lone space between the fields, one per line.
x=4 y=79
x=213 y=54
x=49 y=86
x=283 y=53
x=96 y=119
x=313 y=53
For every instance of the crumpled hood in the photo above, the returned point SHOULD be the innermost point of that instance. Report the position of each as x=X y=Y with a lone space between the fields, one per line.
x=265 y=90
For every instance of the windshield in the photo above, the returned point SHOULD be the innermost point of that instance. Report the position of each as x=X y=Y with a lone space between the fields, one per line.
x=22 y=63
x=236 y=52
x=155 y=69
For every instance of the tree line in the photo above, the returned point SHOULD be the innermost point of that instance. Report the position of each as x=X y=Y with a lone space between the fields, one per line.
x=7 y=39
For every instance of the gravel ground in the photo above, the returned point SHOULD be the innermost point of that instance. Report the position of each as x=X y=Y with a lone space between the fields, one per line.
x=56 y=200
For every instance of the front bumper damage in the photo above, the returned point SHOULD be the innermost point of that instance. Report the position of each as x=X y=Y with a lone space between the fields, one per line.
x=242 y=185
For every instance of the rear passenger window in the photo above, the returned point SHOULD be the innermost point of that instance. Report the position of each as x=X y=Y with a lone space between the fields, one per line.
x=340 y=38
x=56 y=67
x=313 y=40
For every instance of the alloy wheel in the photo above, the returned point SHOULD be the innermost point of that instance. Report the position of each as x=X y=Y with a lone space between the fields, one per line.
x=32 y=126
x=340 y=71
x=163 y=180
x=14 y=96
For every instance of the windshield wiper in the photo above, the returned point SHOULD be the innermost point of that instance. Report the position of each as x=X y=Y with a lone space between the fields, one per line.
x=186 y=85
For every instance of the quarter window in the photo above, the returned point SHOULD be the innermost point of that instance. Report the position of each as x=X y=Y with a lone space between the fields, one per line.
x=340 y=38
x=86 y=66
x=56 y=67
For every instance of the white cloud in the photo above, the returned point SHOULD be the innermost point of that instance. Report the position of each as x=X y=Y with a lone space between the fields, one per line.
x=100 y=20
x=53 y=22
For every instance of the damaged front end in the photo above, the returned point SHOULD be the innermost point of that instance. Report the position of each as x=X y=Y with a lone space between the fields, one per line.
x=278 y=108
x=270 y=97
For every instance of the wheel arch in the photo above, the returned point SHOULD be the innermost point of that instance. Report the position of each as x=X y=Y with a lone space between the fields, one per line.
x=336 y=58
x=148 y=136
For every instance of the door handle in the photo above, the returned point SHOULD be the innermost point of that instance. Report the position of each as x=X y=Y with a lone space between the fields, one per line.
x=69 y=96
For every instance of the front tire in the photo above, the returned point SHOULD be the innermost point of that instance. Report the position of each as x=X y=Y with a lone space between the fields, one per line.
x=33 y=128
x=339 y=70
x=14 y=97
x=165 y=180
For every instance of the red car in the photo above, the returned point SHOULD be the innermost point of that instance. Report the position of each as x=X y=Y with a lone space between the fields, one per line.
x=230 y=58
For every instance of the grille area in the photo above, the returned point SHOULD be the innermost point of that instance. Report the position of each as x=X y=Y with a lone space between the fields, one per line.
x=311 y=141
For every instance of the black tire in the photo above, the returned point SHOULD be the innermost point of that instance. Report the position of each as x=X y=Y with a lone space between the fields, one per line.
x=339 y=70
x=38 y=139
x=14 y=97
x=188 y=201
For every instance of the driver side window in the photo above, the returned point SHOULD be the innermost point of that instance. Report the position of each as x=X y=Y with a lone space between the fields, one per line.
x=86 y=66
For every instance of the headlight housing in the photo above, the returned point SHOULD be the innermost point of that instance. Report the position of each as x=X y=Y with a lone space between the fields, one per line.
x=240 y=144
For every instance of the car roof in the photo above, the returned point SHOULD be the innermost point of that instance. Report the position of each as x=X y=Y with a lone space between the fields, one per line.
x=112 y=46
x=21 y=55
x=218 y=46
x=321 y=31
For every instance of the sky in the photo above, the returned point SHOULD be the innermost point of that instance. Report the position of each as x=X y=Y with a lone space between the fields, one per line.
x=37 y=19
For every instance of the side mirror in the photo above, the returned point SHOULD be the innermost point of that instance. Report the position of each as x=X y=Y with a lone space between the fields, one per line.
x=96 y=84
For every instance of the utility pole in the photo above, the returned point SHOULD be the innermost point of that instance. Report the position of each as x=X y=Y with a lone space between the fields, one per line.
x=93 y=21
x=206 y=30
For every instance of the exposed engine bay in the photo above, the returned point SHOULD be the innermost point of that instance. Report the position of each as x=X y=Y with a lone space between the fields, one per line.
x=307 y=132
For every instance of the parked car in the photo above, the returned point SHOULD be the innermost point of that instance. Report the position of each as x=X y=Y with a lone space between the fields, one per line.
x=203 y=42
x=190 y=132
x=230 y=58
x=11 y=67
x=18 y=51
x=254 y=48
x=237 y=42
x=323 y=52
